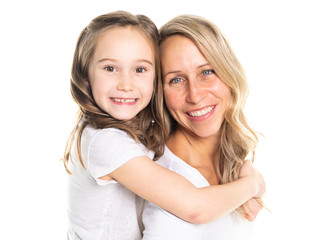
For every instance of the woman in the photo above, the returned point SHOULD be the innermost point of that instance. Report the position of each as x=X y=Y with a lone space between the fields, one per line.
x=205 y=90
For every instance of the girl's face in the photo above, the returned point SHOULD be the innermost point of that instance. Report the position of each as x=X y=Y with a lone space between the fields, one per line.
x=121 y=72
x=195 y=96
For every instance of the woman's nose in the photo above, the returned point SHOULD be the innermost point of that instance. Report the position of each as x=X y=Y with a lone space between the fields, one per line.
x=195 y=92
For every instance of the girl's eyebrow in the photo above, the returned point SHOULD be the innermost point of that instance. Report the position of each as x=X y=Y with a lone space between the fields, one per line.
x=115 y=60
x=107 y=59
x=145 y=60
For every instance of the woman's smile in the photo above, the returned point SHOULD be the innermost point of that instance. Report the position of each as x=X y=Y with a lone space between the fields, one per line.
x=201 y=114
x=195 y=96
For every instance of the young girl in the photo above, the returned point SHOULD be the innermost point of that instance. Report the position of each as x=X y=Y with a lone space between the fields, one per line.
x=120 y=128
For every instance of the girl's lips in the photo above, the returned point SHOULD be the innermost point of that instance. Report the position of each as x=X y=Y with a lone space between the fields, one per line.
x=128 y=101
x=202 y=113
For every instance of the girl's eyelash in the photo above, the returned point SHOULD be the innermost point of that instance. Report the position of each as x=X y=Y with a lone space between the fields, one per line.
x=142 y=69
x=109 y=68
x=138 y=69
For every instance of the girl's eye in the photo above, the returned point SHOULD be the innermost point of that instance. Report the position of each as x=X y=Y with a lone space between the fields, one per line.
x=208 y=72
x=175 y=80
x=110 y=68
x=140 y=70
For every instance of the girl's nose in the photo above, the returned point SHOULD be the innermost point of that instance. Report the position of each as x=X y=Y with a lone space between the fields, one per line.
x=125 y=83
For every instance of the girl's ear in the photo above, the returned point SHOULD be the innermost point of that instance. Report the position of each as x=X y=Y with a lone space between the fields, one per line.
x=88 y=84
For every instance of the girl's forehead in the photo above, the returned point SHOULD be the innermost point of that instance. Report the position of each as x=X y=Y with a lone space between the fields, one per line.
x=123 y=43
x=129 y=34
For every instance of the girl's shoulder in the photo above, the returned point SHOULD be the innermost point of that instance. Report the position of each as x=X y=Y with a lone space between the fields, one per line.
x=105 y=150
x=104 y=131
x=111 y=140
x=102 y=141
x=92 y=134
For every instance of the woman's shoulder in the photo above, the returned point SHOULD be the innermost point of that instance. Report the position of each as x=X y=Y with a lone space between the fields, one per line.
x=168 y=159
x=172 y=162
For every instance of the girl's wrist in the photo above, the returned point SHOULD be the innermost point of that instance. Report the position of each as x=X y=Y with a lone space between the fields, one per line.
x=252 y=184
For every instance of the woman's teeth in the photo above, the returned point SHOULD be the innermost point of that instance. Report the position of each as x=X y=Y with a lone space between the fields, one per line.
x=201 y=112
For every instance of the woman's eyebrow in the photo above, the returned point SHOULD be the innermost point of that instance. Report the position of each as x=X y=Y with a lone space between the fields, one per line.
x=178 y=71
x=203 y=65
x=172 y=72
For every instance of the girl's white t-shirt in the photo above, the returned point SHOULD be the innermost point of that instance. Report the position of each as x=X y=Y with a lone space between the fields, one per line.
x=160 y=224
x=99 y=209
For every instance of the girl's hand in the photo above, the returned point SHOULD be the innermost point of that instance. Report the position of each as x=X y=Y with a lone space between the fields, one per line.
x=251 y=208
x=248 y=170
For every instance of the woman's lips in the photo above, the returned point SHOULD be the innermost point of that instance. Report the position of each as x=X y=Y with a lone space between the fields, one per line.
x=202 y=113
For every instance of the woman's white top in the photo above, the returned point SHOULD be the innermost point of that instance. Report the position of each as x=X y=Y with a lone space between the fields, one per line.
x=160 y=224
x=99 y=209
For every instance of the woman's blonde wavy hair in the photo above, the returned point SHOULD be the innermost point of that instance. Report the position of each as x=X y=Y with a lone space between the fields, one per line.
x=148 y=127
x=237 y=137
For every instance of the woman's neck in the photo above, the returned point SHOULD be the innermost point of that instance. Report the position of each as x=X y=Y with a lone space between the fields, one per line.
x=200 y=153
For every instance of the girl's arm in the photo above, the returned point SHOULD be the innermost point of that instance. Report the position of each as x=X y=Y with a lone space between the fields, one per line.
x=177 y=195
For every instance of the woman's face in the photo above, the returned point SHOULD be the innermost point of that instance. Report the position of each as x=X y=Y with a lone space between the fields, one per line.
x=195 y=96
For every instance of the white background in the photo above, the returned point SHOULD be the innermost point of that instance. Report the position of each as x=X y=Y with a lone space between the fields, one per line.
x=279 y=45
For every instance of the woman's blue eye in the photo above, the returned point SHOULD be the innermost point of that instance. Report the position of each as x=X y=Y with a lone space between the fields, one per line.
x=175 y=80
x=140 y=70
x=110 y=68
x=207 y=72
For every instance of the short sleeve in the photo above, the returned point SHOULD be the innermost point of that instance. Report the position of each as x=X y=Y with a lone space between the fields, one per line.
x=156 y=220
x=111 y=148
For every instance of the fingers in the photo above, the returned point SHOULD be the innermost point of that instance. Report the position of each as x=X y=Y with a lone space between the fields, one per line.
x=247 y=169
x=251 y=209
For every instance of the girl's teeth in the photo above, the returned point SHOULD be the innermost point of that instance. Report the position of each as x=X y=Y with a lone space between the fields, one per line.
x=201 y=112
x=124 y=100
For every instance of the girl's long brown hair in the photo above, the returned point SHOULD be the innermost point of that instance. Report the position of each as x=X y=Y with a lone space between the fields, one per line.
x=149 y=126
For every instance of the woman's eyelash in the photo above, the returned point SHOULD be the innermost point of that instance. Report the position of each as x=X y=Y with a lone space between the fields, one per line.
x=175 y=80
x=207 y=72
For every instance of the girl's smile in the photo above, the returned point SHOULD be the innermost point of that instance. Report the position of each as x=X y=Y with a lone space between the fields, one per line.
x=122 y=72
x=124 y=101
